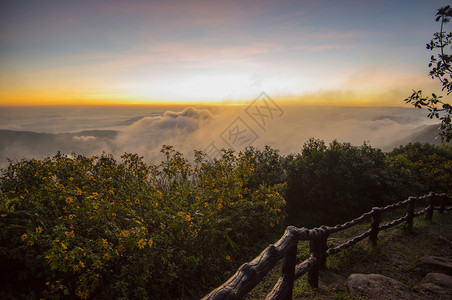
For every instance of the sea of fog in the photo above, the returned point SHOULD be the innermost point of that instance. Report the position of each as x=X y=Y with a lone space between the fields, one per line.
x=27 y=132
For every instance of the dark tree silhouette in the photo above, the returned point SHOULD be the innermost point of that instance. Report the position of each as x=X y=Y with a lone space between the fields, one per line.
x=441 y=68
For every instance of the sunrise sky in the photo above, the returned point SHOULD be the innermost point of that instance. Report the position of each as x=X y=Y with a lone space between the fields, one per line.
x=350 y=52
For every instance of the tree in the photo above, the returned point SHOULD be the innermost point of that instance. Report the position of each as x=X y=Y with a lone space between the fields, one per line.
x=331 y=184
x=441 y=68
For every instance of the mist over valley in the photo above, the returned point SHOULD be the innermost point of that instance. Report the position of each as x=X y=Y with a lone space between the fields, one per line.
x=27 y=132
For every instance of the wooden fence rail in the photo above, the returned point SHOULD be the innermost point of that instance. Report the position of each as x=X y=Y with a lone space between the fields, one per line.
x=251 y=273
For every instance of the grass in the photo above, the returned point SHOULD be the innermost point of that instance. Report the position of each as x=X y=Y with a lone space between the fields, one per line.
x=395 y=256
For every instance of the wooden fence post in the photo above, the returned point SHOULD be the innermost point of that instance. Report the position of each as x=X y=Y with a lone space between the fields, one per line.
x=429 y=215
x=313 y=273
x=375 y=225
x=288 y=271
x=323 y=246
x=410 y=212
x=442 y=204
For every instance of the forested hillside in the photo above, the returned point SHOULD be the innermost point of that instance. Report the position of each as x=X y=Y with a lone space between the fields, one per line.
x=97 y=227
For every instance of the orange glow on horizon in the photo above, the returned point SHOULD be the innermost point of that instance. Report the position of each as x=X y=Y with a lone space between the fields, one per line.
x=311 y=99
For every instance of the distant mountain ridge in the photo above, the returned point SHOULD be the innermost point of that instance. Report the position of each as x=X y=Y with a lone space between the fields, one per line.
x=19 y=144
x=16 y=145
x=424 y=134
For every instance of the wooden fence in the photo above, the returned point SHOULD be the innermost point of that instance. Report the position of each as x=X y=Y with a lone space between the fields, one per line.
x=251 y=273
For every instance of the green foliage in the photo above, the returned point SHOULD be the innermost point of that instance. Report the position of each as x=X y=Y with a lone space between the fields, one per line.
x=269 y=166
x=421 y=168
x=331 y=184
x=440 y=68
x=95 y=227
x=75 y=226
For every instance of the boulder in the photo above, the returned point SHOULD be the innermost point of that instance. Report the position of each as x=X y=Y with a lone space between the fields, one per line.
x=376 y=286
x=435 y=286
x=435 y=264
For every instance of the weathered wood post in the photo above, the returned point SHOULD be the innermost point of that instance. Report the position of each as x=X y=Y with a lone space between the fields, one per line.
x=288 y=272
x=313 y=273
x=323 y=246
x=431 y=199
x=410 y=212
x=442 y=203
x=375 y=225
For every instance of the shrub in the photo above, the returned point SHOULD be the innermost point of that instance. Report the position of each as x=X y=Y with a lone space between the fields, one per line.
x=75 y=226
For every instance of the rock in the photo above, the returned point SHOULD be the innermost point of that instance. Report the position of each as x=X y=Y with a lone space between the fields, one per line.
x=435 y=264
x=375 y=286
x=435 y=286
x=331 y=279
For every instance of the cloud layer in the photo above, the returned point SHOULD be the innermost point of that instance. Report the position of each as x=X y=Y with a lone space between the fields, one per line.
x=212 y=128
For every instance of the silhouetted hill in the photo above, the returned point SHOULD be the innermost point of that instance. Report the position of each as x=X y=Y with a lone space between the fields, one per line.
x=20 y=144
x=424 y=134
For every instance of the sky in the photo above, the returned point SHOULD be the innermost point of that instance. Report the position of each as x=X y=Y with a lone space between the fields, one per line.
x=323 y=52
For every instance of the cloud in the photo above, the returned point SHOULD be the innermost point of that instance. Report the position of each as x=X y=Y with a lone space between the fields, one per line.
x=144 y=131
x=84 y=138
x=12 y=127
x=148 y=134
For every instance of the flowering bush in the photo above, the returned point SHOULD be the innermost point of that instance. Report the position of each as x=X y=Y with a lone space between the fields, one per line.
x=92 y=227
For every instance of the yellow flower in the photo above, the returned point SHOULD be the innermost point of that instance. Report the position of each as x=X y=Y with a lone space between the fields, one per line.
x=69 y=200
x=82 y=265
x=188 y=218
x=75 y=268
x=272 y=225
x=38 y=229
x=72 y=234
x=150 y=242
x=228 y=257
x=180 y=214
x=24 y=237
x=79 y=192
x=71 y=178
x=81 y=294
x=106 y=256
x=111 y=191
x=3 y=215
x=124 y=233
x=141 y=244
x=64 y=246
